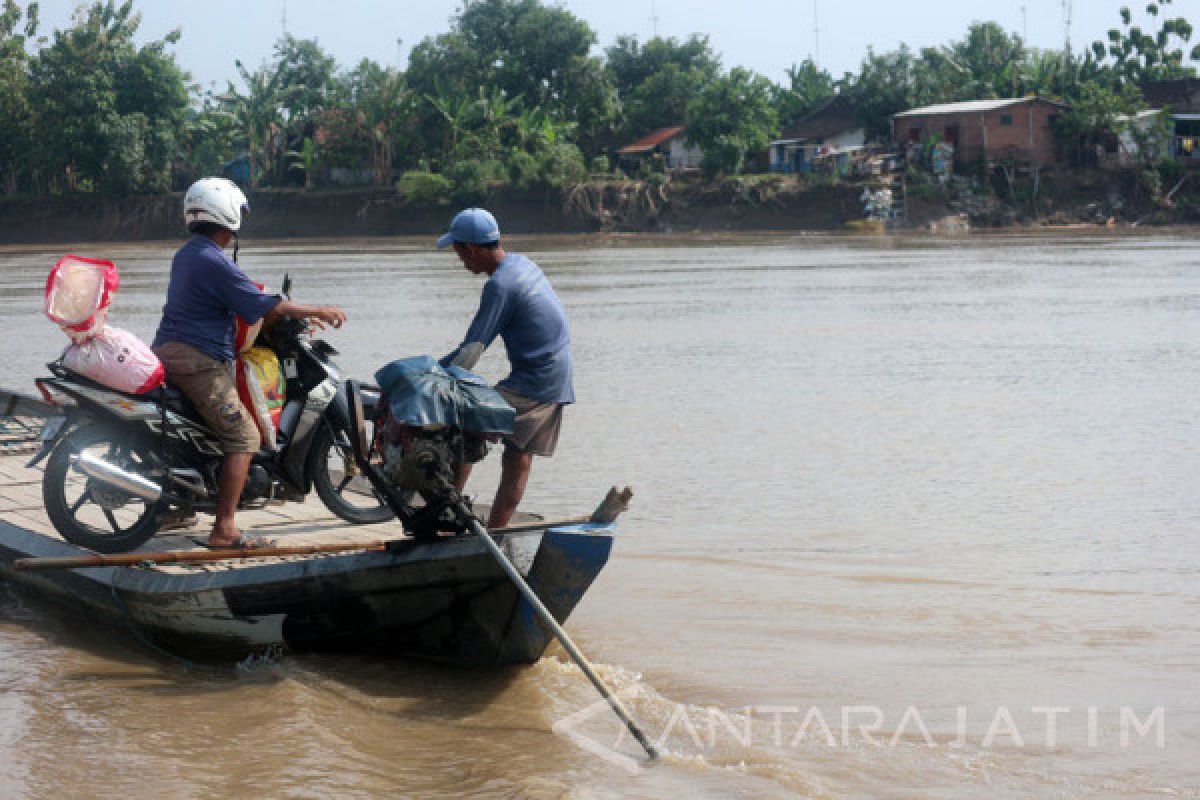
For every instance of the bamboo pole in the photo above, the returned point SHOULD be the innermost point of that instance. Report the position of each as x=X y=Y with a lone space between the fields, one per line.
x=190 y=556
x=613 y=504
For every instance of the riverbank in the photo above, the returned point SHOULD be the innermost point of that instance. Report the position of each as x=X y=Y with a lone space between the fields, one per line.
x=755 y=203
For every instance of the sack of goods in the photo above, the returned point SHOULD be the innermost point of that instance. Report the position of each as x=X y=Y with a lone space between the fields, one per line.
x=117 y=359
x=263 y=389
x=78 y=294
x=434 y=417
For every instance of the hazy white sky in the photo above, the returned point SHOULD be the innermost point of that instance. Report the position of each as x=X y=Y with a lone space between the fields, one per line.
x=764 y=35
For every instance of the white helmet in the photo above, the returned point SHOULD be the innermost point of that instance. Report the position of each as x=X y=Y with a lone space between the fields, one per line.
x=217 y=200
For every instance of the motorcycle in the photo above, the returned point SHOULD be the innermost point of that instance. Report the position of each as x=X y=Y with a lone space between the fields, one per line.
x=119 y=462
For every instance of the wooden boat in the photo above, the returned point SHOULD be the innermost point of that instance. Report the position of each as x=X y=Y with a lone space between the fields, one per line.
x=446 y=600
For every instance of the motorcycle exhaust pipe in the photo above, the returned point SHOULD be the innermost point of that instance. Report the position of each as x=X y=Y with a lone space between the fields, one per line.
x=113 y=475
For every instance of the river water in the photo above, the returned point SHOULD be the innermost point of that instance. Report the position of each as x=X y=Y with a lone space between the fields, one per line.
x=900 y=502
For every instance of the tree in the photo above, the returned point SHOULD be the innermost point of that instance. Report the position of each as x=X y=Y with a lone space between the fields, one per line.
x=886 y=84
x=109 y=114
x=304 y=74
x=259 y=116
x=732 y=116
x=1138 y=56
x=985 y=64
x=383 y=106
x=1097 y=112
x=656 y=81
x=808 y=86
x=535 y=54
x=16 y=124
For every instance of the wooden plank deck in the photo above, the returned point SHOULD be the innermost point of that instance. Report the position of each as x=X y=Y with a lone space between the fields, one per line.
x=289 y=524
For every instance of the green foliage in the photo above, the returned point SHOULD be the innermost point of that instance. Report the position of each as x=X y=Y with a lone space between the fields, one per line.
x=886 y=84
x=524 y=170
x=657 y=80
x=423 y=188
x=528 y=52
x=562 y=164
x=731 y=117
x=1137 y=55
x=808 y=87
x=473 y=179
x=16 y=123
x=107 y=111
x=1097 y=110
x=600 y=165
x=986 y=64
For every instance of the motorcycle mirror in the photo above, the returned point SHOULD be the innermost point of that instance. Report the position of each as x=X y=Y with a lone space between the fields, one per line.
x=286 y=291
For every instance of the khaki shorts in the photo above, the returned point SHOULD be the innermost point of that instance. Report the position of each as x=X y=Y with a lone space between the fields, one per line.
x=537 y=426
x=210 y=385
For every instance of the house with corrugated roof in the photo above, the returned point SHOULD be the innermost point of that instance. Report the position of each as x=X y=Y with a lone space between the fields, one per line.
x=1181 y=99
x=1018 y=128
x=831 y=133
x=671 y=143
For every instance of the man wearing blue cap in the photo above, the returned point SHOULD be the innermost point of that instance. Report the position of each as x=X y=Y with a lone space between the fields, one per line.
x=520 y=307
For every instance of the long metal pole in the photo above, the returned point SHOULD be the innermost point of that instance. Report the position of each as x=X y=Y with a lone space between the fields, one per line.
x=550 y=622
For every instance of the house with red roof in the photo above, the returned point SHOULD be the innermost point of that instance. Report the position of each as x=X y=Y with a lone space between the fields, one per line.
x=671 y=143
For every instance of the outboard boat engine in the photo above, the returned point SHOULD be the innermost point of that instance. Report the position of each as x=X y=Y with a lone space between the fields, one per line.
x=432 y=419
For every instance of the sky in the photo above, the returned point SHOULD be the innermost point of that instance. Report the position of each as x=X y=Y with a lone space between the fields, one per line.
x=764 y=35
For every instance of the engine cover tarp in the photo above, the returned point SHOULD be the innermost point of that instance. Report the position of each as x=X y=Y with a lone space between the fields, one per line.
x=421 y=392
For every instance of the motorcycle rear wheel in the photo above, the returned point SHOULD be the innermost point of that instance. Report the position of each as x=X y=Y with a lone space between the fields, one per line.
x=88 y=512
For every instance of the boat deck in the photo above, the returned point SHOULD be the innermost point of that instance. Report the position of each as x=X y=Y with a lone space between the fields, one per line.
x=288 y=524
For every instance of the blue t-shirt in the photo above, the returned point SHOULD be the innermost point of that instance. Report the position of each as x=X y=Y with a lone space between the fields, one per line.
x=205 y=292
x=520 y=307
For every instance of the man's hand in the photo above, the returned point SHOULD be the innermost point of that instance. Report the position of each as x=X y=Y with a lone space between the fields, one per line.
x=331 y=315
x=320 y=315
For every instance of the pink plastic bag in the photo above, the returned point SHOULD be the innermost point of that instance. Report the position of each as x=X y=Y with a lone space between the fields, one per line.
x=78 y=293
x=117 y=359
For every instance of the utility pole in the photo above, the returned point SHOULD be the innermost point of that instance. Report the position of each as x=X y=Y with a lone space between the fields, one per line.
x=284 y=17
x=1025 y=24
x=1067 y=15
x=654 y=19
x=816 y=36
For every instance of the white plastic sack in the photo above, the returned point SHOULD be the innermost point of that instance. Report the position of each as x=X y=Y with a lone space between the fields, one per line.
x=78 y=293
x=116 y=359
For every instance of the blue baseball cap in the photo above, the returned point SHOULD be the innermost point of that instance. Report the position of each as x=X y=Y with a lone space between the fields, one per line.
x=472 y=226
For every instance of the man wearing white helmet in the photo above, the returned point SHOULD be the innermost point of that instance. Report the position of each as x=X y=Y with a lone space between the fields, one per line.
x=195 y=337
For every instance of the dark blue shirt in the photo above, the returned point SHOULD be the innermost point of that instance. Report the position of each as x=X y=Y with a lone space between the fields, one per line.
x=520 y=307
x=206 y=290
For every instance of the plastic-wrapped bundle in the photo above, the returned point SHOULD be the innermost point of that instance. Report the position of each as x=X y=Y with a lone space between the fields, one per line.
x=422 y=393
x=116 y=359
x=78 y=293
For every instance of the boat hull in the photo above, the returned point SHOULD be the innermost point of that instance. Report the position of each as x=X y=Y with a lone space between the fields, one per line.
x=447 y=600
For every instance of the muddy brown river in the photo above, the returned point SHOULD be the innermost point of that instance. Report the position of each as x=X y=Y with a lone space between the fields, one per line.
x=914 y=518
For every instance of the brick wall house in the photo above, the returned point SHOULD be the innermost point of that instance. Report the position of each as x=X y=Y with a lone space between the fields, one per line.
x=985 y=130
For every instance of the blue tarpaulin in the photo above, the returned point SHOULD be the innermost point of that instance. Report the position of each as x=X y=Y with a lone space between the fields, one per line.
x=421 y=392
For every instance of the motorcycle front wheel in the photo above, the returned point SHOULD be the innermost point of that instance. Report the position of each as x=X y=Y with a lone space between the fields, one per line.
x=89 y=512
x=339 y=483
